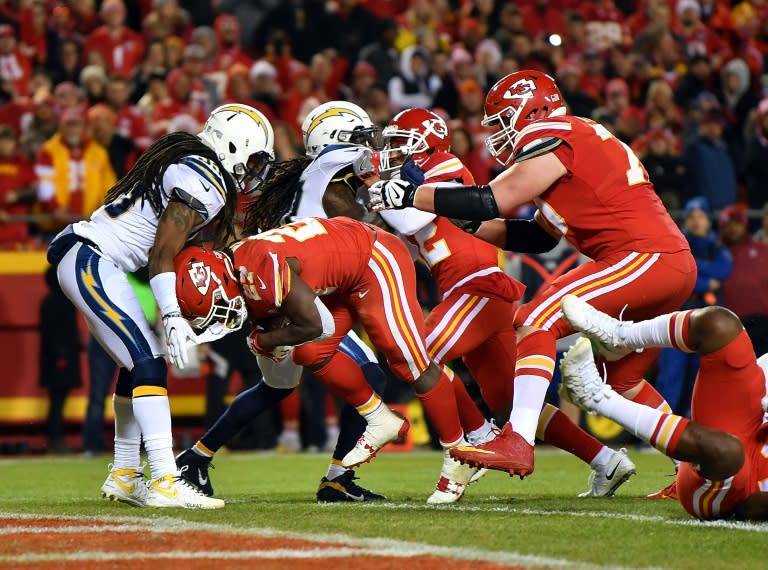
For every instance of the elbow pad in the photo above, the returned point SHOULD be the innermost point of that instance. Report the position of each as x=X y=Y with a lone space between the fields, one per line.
x=466 y=202
x=526 y=236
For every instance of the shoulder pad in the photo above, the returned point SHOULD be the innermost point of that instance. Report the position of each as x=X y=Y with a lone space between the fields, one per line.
x=537 y=148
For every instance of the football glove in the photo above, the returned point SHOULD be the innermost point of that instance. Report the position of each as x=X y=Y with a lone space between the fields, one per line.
x=366 y=164
x=178 y=337
x=277 y=354
x=391 y=195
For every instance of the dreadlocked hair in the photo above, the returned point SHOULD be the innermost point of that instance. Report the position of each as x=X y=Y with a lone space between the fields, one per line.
x=145 y=179
x=276 y=197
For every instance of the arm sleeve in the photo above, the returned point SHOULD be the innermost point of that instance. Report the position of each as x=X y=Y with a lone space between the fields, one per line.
x=407 y=221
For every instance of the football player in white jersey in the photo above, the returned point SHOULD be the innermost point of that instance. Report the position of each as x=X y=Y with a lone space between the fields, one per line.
x=336 y=137
x=180 y=185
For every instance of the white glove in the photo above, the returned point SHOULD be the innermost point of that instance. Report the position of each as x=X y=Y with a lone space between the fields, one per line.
x=214 y=332
x=178 y=336
x=392 y=194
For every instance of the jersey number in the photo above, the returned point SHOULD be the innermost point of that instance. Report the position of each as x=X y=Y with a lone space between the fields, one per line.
x=636 y=174
x=121 y=205
x=299 y=231
x=435 y=251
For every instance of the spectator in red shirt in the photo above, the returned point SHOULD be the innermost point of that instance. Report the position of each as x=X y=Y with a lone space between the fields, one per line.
x=15 y=67
x=543 y=19
x=227 y=28
x=179 y=105
x=465 y=150
x=129 y=120
x=697 y=37
x=120 y=47
x=17 y=179
x=593 y=79
x=299 y=100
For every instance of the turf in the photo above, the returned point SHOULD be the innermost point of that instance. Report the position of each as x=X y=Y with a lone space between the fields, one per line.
x=540 y=515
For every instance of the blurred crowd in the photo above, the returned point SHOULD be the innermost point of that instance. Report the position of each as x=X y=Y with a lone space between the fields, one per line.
x=87 y=85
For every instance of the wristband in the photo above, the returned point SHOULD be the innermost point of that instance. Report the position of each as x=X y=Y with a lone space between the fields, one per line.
x=164 y=289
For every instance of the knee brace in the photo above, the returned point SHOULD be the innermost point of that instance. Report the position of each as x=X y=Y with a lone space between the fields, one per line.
x=150 y=372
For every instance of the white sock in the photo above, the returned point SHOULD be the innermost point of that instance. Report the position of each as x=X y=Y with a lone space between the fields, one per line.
x=602 y=457
x=480 y=434
x=638 y=419
x=372 y=409
x=127 y=434
x=530 y=391
x=154 y=415
x=334 y=470
x=656 y=332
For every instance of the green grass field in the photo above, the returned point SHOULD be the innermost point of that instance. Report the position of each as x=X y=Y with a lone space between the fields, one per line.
x=539 y=516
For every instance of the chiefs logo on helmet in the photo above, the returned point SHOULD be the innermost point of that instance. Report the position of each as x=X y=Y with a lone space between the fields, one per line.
x=520 y=89
x=436 y=127
x=200 y=273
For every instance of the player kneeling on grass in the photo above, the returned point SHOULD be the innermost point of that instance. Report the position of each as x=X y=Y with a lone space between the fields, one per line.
x=725 y=445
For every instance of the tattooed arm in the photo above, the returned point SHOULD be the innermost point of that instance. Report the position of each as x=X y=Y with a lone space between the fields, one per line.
x=173 y=231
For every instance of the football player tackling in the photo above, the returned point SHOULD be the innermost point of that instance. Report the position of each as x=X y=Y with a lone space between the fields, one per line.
x=589 y=187
x=725 y=444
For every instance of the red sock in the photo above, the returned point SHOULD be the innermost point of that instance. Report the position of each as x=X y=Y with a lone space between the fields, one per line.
x=345 y=380
x=667 y=432
x=649 y=396
x=290 y=408
x=440 y=405
x=469 y=415
x=559 y=430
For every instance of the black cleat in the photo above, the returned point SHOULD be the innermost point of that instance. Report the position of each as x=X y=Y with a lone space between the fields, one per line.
x=343 y=489
x=194 y=470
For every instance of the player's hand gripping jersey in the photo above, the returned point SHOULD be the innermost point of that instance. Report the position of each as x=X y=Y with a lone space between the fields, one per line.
x=600 y=210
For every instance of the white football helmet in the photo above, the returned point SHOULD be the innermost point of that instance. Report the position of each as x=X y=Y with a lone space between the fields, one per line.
x=243 y=141
x=337 y=122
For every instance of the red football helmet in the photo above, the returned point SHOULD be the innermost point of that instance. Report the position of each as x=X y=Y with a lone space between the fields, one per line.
x=415 y=132
x=513 y=103
x=208 y=290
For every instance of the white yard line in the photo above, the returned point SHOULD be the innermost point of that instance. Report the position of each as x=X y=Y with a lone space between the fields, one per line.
x=354 y=546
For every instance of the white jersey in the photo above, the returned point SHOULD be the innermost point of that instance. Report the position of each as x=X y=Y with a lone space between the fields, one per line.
x=124 y=230
x=316 y=177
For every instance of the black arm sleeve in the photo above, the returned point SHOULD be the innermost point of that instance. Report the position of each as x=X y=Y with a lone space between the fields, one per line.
x=526 y=236
x=466 y=202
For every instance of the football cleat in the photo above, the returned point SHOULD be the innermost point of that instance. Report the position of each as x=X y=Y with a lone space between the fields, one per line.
x=343 y=489
x=490 y=436
x=581 y=380
x=454 y=478
x=174 y=491
x=388 y=426
x=600 y=327
x=126 y=486
x=194 y=469
x=507 y=452
x=606 y=479
x=668 y=492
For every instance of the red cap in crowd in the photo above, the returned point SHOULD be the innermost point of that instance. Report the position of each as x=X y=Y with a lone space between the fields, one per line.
x=732 y=214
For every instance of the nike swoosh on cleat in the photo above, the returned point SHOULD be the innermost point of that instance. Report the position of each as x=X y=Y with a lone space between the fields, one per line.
x=612 y=473
x=363 y=293
x=203 y=480
x=355 y=497
x=474 y=449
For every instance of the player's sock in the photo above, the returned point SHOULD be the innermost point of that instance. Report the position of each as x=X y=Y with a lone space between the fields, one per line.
x=649 y=396
x=603 y=456
x=351 y=427
x=662 y=430
x=153 y=413
x=371 y=409
x=670 y=330
x=559 y=430
x=440 y=405
x=334 y=470
x=127 y=434
x=202 y=450
x=344 y=379
x=469 y=415
x=533 y=373
x=246 y=406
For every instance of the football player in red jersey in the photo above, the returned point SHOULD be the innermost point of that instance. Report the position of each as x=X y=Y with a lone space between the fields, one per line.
x=725 y=444
x=475 y=320
x=589 y=187
x=362 y=274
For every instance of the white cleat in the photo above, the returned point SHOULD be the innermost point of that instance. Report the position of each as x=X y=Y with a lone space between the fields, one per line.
x=600 y=327
x=454 y=478
x=173 y=491
x=388 y=426
x=125 y=485
x=581 y=380
x=606 y=479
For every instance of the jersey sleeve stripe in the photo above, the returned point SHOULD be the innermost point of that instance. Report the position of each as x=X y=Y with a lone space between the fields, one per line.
x=206 y=172
x=535 y=127
x=452 y=165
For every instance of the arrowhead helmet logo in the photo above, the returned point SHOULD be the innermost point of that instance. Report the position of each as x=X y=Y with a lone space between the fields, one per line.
x=200 y=273
x=520 y=89
x=436 y=127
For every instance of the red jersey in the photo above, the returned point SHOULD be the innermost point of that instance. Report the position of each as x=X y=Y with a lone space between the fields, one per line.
x=333 y=255
x=16 y=173
x=122 y=53
x=132 y=124
x=605 y=204
x=15 y=68
x=455 y=258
